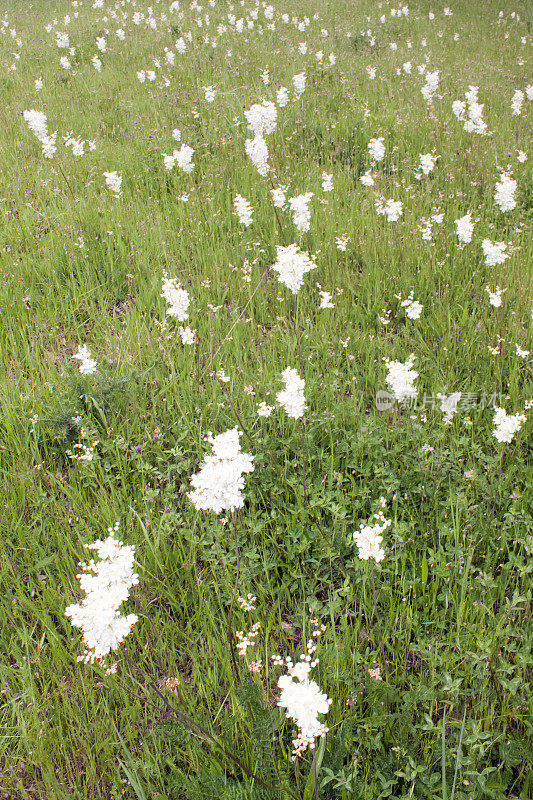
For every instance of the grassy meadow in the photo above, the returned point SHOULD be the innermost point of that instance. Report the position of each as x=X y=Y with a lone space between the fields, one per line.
x=443 y=620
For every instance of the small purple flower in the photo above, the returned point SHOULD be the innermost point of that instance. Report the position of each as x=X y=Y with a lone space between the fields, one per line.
x=156 y=437
x=137 y=448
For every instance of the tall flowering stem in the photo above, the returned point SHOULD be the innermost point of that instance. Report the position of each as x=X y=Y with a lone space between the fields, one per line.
x=377 y=617
x=368 y=539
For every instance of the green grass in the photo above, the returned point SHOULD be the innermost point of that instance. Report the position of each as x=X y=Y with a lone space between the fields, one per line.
x=453 y=592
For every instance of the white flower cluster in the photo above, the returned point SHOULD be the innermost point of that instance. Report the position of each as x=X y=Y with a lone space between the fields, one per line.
x=298 y=82
x=427 y=162
x=430 y=87
x=506 y=425
x=368 y=538
x=246 y=640
x=470 y=112
x=391 y=208
x=106 y=585
x=257 y=152
x=181 y=157
x=504 y=196
x=495 y=297
x=448 y=405
x=413 y=309
x=114 y=182
x=494 y=252
x=327 y=182
x=38 y=124
x=401 y=378
x=376 y=149
x=291 y=265
x=465 y=228
x=218 y=486
x=516 y=102
x=292 y=397
x=300 y=210
x=243 y=209
x=303 y=699
x=177 y=298
x=262 y=118
x=87 y=363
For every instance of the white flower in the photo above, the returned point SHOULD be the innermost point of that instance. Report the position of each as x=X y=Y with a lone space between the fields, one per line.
x=430 y=86
x=37 y=122
x=101 y=44
x=257 y=151
x=177 y=298
x=368 y=538
x=183 y=158
x=473 y=120
x=113 y=181
x=521 y=157
x=168 y=161
x=65 y=63
x=325 y=300
x=465 y=228
x=327 y=182
x=301 y=212
x=264 y=410
x=392 y=208
x=367 y=179
x=494 y=252
x=304 y=701
x=516 y=102
x=49 y=145
x=407 y=67
x=291 y=265
x=495 y=297
x=449 y=404
x=299 y=82
x=376 y=148
x=87 y=363
x=401 y=378
x=218 y=486
x=120 y=34
x=278 y=196
x=187 y=335
x=506 y=425
x=371 y=72
x=342 y=242
x=504 y=196
x=292 y=397
x=413 y=309
x=97 y=64
x=262 y=118
x=368 y=541
x=141 y=75
x=62 y=39
x=39 y=85
x=243 y=209
x=106 y=585
x=427 y=162
x=209 y=93
x=282 y=96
